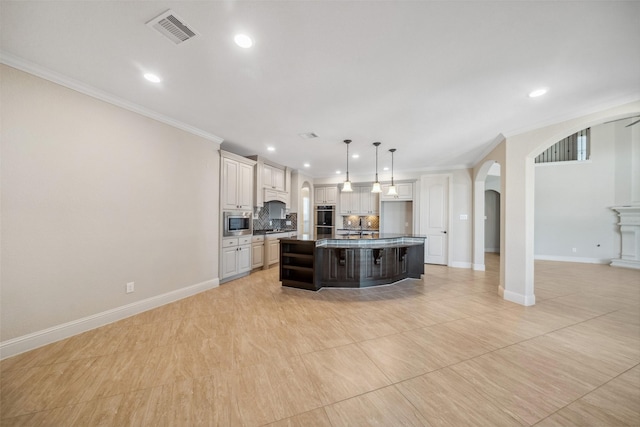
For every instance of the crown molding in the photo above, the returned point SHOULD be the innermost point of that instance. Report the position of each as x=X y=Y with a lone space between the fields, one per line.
x=44 y=73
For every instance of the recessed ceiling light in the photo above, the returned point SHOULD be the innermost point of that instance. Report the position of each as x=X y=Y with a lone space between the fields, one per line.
x=271 y=149
x=355 y=156
x=538 y=92
x=152 y=78
x=243 y=41
x=386 y=168
x=338 y=172
x=306 y=165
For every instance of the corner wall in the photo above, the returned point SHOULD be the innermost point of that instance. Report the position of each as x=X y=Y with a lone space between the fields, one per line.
x=95 y=196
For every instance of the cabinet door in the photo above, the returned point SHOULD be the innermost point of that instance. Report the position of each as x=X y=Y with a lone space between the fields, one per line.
x=274 y=251
x=267 y=176
x=345 y=203
x=365 y=200
x=404 y=190
x=244 y=258
x=277 y=179
x=331 y=195
x=368 y=201
x=319 y=196
x=229 y=261
x=245 y=186
x=230 y=172
x=375 y=203
x=257 y=255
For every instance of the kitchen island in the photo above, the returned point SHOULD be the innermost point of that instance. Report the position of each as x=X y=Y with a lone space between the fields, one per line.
x=353 y=261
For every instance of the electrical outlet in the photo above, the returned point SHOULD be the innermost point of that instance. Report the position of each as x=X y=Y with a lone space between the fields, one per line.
x=574 y=250
x=368 y=223
x=131 y=287
x=288 y=222
x=348 y=222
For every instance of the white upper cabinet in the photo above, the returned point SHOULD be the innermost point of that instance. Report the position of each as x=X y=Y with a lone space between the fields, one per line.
x=350 y=202
x=272 y=182
x=361 y=201
x=404 y=189
x=272 y=177
x=369 y=201
x=236 y=182
x=326 y=196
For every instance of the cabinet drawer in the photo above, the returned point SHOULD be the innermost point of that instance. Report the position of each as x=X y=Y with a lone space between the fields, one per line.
x=257 y=239
x=226 y=243
x=244 y=240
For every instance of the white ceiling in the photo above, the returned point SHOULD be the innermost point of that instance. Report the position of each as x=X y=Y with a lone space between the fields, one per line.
x=439 y=81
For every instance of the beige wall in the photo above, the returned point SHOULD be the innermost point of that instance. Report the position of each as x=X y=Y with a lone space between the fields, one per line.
x=95 y=196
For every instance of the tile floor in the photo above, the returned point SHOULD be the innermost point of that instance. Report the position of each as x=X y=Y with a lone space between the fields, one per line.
x=446 y=351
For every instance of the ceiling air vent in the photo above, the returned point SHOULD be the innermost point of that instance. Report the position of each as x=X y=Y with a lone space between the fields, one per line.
x=309 y=135
x=172 y=27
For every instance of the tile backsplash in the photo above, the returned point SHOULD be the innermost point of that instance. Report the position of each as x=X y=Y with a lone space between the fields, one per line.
x=261 y=222
x=366 y=220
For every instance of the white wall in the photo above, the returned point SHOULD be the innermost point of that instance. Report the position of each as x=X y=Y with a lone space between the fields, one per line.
x=492 y=183
x=573 y=200
x=93 y=197
x=518 y=197
x=627 y=161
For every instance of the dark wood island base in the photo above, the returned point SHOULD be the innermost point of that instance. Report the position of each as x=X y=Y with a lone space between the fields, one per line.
x=350 y=261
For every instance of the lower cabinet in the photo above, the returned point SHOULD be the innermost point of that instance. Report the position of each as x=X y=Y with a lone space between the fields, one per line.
x=236 y=256
x=257 y=252
x=274 y=251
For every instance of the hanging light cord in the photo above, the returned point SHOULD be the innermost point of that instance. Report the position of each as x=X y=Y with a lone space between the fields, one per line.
x=347 y=158
x=377 y=161
x=392 y=151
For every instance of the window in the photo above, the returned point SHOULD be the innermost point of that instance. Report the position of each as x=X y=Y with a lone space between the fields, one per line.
x=575 y=147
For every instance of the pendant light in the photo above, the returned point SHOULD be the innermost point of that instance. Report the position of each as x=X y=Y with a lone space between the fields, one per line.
x=346 y=187
x=392 y=188
x=376 y=185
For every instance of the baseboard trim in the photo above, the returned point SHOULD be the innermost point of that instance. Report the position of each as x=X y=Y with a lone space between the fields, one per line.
x=460 y=264
x=478 y=267
x=625 y=263
x=34 y=340
x=583 y=260
x=521 y=299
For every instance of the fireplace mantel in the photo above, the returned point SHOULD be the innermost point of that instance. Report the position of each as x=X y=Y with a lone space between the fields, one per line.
x=630 y=236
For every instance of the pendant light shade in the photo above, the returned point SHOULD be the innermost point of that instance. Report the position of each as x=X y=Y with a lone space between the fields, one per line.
x=376 y=185
x=346 y=187
x=392 y=188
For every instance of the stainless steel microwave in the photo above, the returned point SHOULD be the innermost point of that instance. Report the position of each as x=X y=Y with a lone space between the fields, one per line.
x=237 y=223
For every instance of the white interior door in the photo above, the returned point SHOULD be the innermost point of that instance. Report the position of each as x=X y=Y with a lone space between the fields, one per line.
x=435 y=218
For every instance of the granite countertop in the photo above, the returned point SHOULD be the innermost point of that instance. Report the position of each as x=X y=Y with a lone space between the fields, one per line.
x=272 y=231
x=386 y=239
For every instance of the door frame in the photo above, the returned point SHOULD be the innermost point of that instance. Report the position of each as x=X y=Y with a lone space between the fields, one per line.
x=423 y=211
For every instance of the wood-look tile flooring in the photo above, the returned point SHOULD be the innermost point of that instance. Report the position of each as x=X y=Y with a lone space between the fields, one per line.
x=444 y=352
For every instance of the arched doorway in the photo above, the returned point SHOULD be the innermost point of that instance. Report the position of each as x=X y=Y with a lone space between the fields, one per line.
x=518 y=235
x=490 y=168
